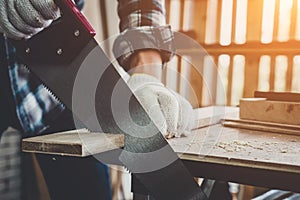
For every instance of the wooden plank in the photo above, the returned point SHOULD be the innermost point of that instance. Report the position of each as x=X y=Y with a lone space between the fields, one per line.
x=230 y=75
x=293 y=20
x=218 y=23
x=233 y=26
x=261 y=109
x=276 y=20
x=278 y=96
x=196 y=80
x=249 y=48
x=200 y=17
x=272 y=73
x=254 y=20
x=262 y=126
x=179 y=71
x=210 y=76
x=289 y=73
x=251 y=75
x=167 y=7
x=182 y=5
x=79 y=143
x=82 y=143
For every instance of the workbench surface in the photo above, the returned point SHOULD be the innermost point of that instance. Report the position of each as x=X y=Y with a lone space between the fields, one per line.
x=240 y=147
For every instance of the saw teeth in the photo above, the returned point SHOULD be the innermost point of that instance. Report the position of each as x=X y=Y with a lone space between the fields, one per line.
x=48 y=89
x=126 y=169
x=55 y=97
x=45 y=86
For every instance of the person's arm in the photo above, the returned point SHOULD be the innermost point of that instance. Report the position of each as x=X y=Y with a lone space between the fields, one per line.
x=144 y=45
x=23 y=18
x=146 y=61
x=145 y=38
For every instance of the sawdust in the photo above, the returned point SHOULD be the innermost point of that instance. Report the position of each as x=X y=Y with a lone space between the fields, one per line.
x=283 y=150
x=239 y=146
x=236 y=146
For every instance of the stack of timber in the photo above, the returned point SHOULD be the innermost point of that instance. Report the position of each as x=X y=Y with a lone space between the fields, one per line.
x=269 y=111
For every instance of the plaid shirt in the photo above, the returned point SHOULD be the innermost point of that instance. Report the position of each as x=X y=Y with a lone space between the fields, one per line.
x=36 y=108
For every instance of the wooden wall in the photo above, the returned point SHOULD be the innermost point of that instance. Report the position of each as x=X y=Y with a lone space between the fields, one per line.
x=254 y=44
x=250 y=44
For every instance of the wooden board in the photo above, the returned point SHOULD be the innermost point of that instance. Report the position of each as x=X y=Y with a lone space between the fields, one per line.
x=79 y=143
x=260 y=109
x=262 y=126
x=278 y=96
x=82 y=143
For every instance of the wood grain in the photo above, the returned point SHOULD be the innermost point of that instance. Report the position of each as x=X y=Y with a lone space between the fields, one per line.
x=240 y=148
x=278 y=96
x=78 y=143
x=262 y=126
x=260 y=109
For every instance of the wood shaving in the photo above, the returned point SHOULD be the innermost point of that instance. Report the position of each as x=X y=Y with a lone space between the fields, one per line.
x=236 y=146
x=283 y=150
x=239 y=146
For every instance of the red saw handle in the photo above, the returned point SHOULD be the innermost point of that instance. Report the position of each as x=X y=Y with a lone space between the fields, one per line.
x=61 y=42
x=68 y=6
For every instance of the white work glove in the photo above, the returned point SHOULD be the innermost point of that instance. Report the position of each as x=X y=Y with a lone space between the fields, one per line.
x=24 y=18
x=171 y=113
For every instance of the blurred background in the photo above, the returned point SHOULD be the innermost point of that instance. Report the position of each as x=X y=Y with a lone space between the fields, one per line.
x=254 y=44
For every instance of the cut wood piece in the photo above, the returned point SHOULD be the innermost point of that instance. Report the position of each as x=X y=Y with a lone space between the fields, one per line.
x=83 y=143
x=262 y=126
x=278 y=96
x=78 y=143
x=260 y=109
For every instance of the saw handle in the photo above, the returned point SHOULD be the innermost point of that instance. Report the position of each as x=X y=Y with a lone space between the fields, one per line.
x=59 y=43
x=68 y=6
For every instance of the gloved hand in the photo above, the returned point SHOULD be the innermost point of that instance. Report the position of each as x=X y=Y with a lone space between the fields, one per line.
x=24 y=18
x=171 y=113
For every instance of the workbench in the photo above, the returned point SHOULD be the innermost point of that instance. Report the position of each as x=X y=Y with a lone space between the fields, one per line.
x=238 y=155
x=212 y=151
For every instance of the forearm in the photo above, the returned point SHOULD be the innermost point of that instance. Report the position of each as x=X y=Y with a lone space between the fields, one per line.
x=148 y=62
x=143 y=32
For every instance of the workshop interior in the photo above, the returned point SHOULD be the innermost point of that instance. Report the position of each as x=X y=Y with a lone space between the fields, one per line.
x=241 y=76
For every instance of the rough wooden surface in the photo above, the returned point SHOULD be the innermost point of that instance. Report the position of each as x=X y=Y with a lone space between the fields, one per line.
x=260 y=109
x=262 y=126
x=73 y=143
x=278 y=96
x=241 y=147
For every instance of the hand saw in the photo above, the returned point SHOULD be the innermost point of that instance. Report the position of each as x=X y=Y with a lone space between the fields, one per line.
x=70 y=63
